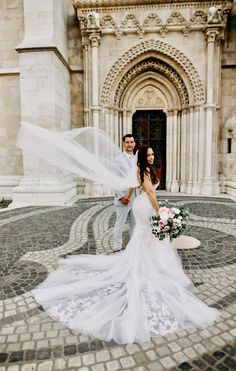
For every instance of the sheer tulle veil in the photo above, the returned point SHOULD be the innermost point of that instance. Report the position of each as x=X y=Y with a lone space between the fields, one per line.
x=87 y=152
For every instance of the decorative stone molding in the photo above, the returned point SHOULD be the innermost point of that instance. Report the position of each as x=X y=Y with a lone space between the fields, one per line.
x=154 y=65
x=162 y=49
x=83 y=4
x=176 y=21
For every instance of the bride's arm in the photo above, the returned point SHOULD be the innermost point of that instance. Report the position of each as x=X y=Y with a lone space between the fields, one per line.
x=130 y=191
x=148 y=188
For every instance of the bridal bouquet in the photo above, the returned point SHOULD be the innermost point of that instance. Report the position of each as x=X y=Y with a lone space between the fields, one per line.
x=171 y=221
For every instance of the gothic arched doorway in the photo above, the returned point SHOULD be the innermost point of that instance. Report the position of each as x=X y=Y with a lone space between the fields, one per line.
x=149 y=127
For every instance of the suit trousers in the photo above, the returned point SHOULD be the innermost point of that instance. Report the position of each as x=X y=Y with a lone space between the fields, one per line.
x=121 y=217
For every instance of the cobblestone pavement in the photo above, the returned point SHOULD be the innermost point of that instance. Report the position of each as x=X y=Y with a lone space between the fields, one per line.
x=33 y=238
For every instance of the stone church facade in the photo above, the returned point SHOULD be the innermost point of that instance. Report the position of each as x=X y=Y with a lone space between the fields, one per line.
x=164 y=70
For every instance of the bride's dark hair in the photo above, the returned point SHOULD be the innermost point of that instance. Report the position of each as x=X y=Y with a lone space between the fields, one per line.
x=144 y=166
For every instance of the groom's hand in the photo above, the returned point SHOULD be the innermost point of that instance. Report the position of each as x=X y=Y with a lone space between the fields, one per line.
x=124 y=200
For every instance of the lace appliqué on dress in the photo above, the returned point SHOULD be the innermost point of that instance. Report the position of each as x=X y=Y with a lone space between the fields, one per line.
x=71 y=308
x=160 y=320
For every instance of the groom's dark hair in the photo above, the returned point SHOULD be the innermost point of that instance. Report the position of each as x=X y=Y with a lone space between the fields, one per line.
x=127 y=136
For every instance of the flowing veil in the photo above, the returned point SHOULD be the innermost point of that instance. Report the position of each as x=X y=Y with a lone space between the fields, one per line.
x=86 y=152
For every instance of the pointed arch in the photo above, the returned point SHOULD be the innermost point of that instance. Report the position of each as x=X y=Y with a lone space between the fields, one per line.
x=163 y=51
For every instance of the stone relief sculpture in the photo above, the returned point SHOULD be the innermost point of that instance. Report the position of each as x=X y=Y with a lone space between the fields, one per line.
x=176 y=19
x=199 y=18
x=93 y=20
x=152 y=20
x=214 y=14
x=150 y=99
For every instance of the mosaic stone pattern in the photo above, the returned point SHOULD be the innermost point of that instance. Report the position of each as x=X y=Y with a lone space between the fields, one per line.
x=33 y=239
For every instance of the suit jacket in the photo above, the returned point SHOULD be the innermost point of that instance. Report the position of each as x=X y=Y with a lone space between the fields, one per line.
x=121 y=165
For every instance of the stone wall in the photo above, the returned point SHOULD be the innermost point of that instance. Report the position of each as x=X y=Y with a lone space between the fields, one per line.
x=228 y=108
x=75 y=53
x=11 y=32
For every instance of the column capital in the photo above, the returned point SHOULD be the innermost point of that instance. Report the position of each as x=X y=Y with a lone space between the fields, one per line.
x=95 y=38
x=211 y=33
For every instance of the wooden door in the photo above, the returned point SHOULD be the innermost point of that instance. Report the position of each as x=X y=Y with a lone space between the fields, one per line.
x=149 y=127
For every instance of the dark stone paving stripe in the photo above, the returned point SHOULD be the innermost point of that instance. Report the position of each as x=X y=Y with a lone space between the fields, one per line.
x=21 y=211
x=226 y=301
x=228 y=212
x=89 y=247
x=222 y=359
x=54 y=352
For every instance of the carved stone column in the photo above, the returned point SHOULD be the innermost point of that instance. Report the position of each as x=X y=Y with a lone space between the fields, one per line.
x=190 y=151
x=175 y=184
x=116 y=126
x=94 y=40
x=209 y=182
x=125 y=122
x=169 y=150
x=196 y=149
x=183 y=159
x=86 y=78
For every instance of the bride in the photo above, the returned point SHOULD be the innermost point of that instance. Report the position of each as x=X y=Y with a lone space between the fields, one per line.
x=129 y=296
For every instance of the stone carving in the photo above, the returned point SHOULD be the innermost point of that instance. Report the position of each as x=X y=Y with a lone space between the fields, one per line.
x=93 y=20
x=152 y=21
x=199 y=18
x=107 y=22
x=152 y=64
x=82 y=22
x=130 y=21
x=214 y=14
x=186 y=29
x=163 y=30
x=150 y=99
x=175 y=19
x=161 y=48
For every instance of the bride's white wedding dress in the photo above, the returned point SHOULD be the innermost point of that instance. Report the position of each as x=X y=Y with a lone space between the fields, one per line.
x=129 y=296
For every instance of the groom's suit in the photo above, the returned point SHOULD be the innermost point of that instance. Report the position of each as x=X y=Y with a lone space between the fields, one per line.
x=123 y=163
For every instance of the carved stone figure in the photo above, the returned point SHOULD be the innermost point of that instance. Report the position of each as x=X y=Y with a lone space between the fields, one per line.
x=93 y=20
x=214 y=14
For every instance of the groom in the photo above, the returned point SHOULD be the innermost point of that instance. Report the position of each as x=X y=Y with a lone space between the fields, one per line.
x=123 y=203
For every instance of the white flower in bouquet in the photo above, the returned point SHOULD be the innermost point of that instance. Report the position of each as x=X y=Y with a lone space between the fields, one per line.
x=175 y=210
x=177 y=221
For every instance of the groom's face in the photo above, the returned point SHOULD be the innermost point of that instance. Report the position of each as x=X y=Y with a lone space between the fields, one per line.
x=128 y=145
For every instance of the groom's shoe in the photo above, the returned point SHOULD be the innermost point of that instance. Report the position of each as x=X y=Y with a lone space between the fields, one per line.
x=114 y=251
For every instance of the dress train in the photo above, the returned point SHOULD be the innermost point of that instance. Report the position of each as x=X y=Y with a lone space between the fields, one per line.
x=129 y=296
